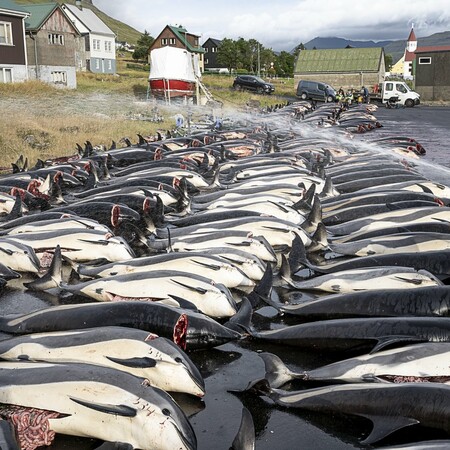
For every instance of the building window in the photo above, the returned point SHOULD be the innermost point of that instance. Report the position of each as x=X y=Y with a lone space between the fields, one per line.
x=97 y=64
x=59 y=77
x=109 y=64
x=206 y=50
x=172 y=41
x=96 y=44
x=164 y=41
x=213 y=49
x=108 y=46
x=55 y=39
x=425 y=60
x=5 y=33
x=5 y=75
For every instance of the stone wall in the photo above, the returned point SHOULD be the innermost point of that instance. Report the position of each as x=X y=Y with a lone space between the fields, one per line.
x=433 y=93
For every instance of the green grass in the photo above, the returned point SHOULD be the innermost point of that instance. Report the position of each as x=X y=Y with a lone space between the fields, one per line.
x=44 y=122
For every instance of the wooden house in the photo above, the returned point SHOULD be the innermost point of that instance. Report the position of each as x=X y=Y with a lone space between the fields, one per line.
x=98 y=53
x=179 y=37
x=211 y=47
x=13 y=55
x=344 y=67
x=52 y=43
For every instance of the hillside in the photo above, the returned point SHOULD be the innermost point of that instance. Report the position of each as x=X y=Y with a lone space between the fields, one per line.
x=124 y=32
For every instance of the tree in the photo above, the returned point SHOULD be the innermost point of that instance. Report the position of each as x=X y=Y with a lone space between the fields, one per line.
x=298 y=49
x=143 y=46
x=284 y=64
x=227 y=54
x=388 y=62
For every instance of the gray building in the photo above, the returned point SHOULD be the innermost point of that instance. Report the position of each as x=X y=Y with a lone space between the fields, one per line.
x=52 y=42
x=432 y=72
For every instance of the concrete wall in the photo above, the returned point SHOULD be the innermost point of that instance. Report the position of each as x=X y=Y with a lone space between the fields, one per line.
x=19 y=72
x=434 y=93
x=59 y=76
x=344 y=80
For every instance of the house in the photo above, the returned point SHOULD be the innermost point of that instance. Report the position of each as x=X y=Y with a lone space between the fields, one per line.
x=52 y=42
x=404 y=66
x=344 y=67
x=98 y=53
x=211 y=46
x=177 y=36
x=431 y=72
x=13 y=54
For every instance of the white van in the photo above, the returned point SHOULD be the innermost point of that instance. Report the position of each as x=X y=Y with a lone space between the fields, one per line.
x=396 y=90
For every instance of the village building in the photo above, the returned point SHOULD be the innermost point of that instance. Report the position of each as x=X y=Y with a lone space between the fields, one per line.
x=13 y=54
x=403 y=68
x=431 y=72
x=98 y=51
x=345 y=67
x=179 y=37
x=52 y=42
x=211 y=47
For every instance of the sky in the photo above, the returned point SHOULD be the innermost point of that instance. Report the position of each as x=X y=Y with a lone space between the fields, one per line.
x=283 y=24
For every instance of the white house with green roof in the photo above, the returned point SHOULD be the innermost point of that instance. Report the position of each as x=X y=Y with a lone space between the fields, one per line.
x=344 y=67
x=52 y=43
x=99 y=39
x=179 y=37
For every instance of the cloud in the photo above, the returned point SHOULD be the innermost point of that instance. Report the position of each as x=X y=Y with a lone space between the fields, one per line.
x=284 y=25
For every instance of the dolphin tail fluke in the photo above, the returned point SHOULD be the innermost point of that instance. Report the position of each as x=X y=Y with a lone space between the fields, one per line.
x=383 y=426
x=56 y=197
x=53 y=277
x=297 y=256
x=16 y=210
x=305 y=204
x=328 y=189
x=245 y=437
x=241 y=321
x=277 y=373
x=263 y=289
x=319 y=239
x=90 y=182
x=314 y=217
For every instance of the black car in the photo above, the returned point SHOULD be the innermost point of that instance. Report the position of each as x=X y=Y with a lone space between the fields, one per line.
x=252 y=83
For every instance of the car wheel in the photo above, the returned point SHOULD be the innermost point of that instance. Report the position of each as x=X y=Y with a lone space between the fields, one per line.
x=260 y=90
x=329 y=99
x=409 y=103
x=303 y=96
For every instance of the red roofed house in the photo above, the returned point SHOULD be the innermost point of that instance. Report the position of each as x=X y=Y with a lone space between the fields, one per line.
x=432 y=74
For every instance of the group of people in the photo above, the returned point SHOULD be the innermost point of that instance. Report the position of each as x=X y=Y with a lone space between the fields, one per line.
x=350 y=96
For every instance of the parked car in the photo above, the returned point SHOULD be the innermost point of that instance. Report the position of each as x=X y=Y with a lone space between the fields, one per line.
x=252 y=83
x=314 y=90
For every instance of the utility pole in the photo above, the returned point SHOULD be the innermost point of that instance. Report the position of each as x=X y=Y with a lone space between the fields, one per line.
x=259 y=63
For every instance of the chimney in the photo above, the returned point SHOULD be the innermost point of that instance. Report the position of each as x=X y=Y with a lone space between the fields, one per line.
x=78 y=4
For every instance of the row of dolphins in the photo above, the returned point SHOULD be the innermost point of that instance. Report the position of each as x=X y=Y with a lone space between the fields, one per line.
x=170 y=245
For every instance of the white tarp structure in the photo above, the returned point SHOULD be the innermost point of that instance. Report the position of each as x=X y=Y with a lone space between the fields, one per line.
x=171 y=63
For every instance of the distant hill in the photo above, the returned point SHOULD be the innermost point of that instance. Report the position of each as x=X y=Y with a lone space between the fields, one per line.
x=335 y=42
x=395 y=48
x=124 y=32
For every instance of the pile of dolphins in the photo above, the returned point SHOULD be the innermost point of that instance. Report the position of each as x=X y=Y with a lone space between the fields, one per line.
x=169 y=246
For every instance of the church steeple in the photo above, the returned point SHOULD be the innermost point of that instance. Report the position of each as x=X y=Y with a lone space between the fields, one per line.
x=411 y=44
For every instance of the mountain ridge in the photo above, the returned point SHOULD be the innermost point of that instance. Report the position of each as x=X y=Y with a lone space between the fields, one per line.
x=394 y=48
